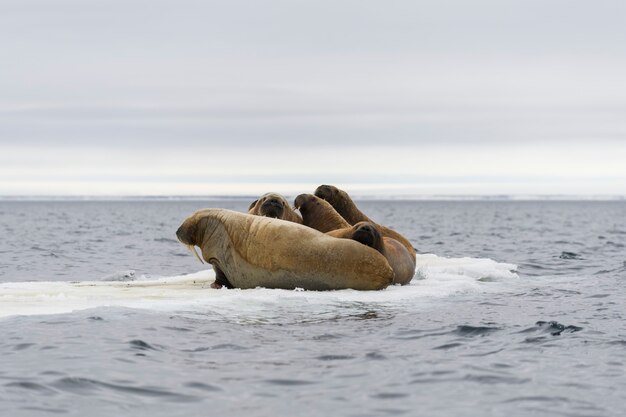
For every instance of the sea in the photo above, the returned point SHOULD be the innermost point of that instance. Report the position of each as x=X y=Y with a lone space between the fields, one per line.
x=517 y=308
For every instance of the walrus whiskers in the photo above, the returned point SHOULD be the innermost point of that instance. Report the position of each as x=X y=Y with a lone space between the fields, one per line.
x=192 y=248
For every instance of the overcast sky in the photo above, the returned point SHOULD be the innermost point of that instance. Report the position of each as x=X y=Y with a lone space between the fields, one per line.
x=241 y=97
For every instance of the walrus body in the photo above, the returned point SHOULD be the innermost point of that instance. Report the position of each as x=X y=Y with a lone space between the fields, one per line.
x=397 y=255
x=343 y=204
x=319 y=214
x=253 y=251
x=274 y=205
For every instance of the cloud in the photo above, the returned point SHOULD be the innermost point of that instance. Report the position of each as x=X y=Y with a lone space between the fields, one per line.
x=284 y=91
x=432 y=169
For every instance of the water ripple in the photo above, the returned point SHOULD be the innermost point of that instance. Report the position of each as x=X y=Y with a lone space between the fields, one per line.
x=334 y=357
x=288 y=382
x=31 y=386
x=141 y=345
x=222 y=346
x=537 y=398
x=570 y=255
x=375 y=356
x=85 y=386
x=390 y=395
x=448 y=346
x=202 y=386
x=555 y=328
x=496 y=379
x=471 y=331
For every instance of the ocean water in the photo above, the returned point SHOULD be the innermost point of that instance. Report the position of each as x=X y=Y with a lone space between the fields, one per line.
x=517 y=308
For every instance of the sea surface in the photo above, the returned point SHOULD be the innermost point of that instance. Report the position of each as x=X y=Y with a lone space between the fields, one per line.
x=517 y=309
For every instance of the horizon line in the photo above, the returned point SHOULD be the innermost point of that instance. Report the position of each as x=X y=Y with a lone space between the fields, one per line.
x=372 y=197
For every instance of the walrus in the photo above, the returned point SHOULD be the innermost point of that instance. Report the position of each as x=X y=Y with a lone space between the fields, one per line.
x=343 y=204
x=274 y=205
x=397 y=255
x=318 y=213
x=253 y=251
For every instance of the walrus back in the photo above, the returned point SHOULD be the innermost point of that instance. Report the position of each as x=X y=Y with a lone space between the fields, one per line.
x=273 y=253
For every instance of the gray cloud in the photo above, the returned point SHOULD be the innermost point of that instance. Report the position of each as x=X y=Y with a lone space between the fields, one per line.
x=248 y=126
x=132 y=75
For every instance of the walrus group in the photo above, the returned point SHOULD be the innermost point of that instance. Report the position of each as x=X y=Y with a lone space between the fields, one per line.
x=330 y=245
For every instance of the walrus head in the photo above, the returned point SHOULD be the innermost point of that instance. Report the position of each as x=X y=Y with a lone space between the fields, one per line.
x=337 y=198
x=368 y=234
x=327 y=192
x=341 y=201
x=303 y=202
x=318 y=213
x=308 y=202
x=272 y=205
x=187 y=234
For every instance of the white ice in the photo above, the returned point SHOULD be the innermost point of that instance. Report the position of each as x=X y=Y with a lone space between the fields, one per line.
x=435 y=277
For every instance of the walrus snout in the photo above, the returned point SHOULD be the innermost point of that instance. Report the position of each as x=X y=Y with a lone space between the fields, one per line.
x=367 y=234
x=274 y=201
x=299 y=201
x=183 y=235
x=366 y=228
x=272 y=207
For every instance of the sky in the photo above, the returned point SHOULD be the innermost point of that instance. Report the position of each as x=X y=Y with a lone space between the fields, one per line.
x=414 y=98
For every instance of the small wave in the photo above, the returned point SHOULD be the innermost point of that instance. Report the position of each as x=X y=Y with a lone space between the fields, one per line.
x=570 y=255
x=228 y=346
x=375 y=356
x=31 y=386
x=86 y=386
x=23 y=346
x=289 y=382
x=165 y=240
x=222 y=346
x=389 y=395
x=497 y=379
x=334 y=357
x=617 y=245
x=556 y=328
x=141 y=345
x=448 y=346
x=46 y=410
x=202 y=386
x=48 y=252
x=538 y=398
x=553 y=327
x=471 y=331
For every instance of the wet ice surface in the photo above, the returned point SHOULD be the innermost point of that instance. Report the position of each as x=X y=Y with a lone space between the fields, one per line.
x=551 y=341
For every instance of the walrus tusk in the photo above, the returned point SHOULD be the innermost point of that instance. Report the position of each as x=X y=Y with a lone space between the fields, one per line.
x=192 y=248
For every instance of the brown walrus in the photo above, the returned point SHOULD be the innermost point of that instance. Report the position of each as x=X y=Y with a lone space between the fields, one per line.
x=253 y=251
x=274 y=205
x=397 y=255
x=343 y=204
x=318 y=213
